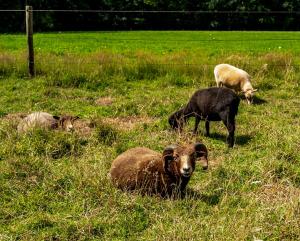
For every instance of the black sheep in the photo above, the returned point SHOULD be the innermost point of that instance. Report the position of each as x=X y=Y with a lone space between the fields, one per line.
x=212 y=104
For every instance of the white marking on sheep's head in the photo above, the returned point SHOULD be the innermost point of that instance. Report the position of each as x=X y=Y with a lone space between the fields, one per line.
x=66 y=122
x=180 y=161
x=249 y=94
x=186 y=167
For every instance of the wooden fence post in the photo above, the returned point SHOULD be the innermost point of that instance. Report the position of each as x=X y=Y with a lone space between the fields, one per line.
x=29 y=33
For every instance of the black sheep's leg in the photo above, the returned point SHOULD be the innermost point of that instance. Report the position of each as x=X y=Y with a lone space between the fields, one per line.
x=230 y=124
x=231 y=129
x=207 y=127
x=197 y=121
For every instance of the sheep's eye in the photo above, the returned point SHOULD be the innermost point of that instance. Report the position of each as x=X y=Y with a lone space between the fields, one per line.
x=176 y=158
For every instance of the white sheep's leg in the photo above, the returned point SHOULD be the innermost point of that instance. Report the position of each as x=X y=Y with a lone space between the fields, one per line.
x=220 y=84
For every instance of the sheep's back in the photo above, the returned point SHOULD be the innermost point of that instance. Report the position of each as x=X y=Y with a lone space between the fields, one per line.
x=36 y=120
x=136 y=168
x=213 y=100
x=231 y=76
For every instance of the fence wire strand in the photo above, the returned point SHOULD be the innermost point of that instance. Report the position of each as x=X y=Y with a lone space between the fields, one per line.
x=38 y=37
x=150 y=11
x=124 y=63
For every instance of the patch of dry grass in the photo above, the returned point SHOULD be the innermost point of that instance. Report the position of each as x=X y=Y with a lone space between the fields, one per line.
x=104 y=101
x=128 y=123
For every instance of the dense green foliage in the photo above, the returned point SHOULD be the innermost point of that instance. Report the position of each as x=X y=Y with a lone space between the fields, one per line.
x=54 y=185
x=238 y=19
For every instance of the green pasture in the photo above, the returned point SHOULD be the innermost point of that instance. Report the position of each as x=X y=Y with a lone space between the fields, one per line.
x=158 y=42
x=54 y=185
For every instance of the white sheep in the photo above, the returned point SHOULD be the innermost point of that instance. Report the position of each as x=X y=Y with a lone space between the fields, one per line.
x=234 y=78
x=46 y=121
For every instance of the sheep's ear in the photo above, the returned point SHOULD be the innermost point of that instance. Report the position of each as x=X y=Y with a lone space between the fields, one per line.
x=168 y=157
x=76 y=118
x=254 y=90
x=56 y=117
x=201 y=155
x=200 y=150
x=62 y=119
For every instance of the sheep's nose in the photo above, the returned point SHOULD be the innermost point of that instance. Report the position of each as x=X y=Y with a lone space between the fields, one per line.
x=250 y=101
x=70 y=128
x=205 y=167
x=186 y=169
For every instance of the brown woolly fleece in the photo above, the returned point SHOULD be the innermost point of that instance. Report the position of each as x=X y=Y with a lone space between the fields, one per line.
x=153 y=173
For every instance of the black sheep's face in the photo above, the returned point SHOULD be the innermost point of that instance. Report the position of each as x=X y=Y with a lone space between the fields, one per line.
x=173 y=122
x=181 y=161
x=176 y=122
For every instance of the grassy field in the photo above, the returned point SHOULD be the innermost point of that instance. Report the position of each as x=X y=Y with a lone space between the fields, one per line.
x=124 y=85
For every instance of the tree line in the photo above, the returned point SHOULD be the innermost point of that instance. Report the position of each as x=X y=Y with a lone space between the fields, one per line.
x=245 y=15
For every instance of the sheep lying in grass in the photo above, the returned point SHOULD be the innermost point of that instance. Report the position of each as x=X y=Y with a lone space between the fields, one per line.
x=47 y=121
x=212 y=104
x=234 y=78
x=152 y=173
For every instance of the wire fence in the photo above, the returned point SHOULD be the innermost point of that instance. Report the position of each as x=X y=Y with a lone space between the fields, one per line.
x=245 y=41
x=149 y=11
x=149 y=40
x=103 y=19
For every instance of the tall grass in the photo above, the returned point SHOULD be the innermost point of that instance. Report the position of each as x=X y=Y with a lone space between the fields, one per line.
x=97 y=70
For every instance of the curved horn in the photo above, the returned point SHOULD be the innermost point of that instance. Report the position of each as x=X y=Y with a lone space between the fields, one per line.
x=200 y=149
x=168 y=157
x=201 y=154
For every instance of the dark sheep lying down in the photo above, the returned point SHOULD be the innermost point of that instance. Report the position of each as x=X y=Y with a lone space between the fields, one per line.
x=212 y=104
x=153 y=173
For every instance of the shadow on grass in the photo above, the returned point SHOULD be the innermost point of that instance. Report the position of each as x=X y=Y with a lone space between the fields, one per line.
x=256 y=100
x=212 y=199
x=188 y=194
x=239 y=140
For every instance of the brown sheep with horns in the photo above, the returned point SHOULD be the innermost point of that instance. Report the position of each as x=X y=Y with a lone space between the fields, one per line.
x=152 y=173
